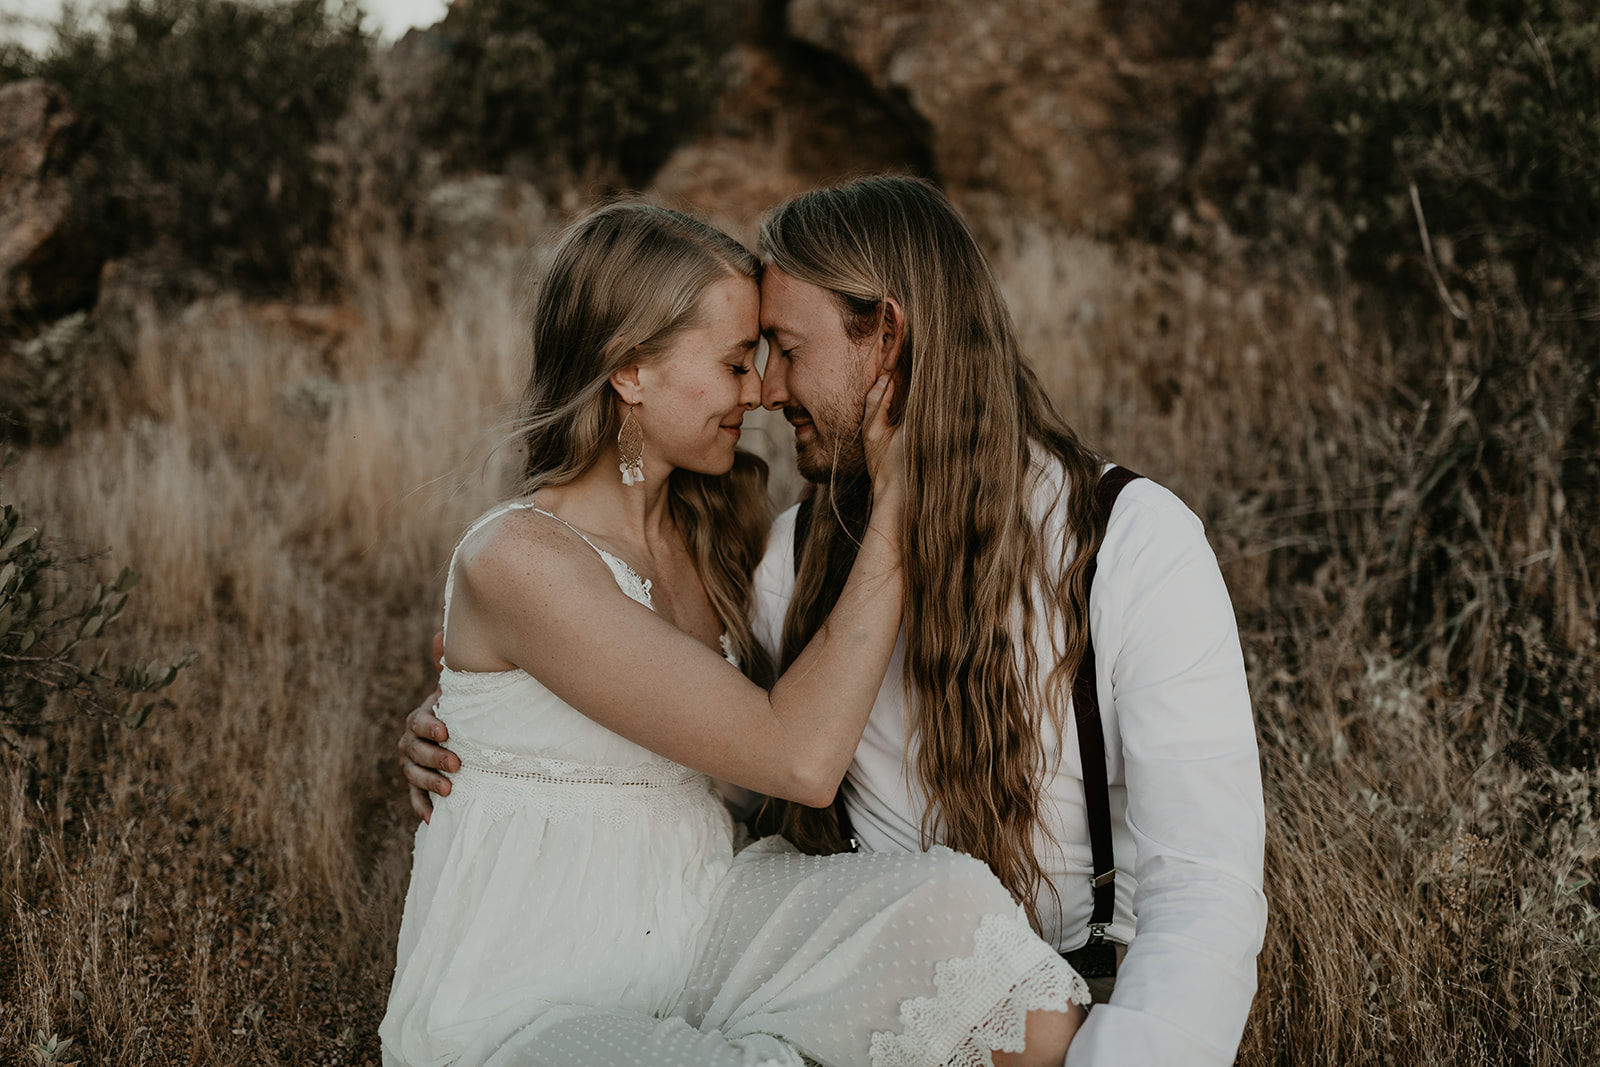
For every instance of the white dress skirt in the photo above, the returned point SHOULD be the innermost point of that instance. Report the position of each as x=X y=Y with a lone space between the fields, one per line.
x=577 y=901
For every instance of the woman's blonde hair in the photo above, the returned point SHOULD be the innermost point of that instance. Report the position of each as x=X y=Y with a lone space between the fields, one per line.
x=974 y=551
x=624 y=282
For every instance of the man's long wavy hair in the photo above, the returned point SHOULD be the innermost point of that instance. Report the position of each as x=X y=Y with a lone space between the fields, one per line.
x=624 y=282
x=980 y=578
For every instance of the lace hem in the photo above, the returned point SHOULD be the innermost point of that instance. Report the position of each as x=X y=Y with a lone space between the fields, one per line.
x=983 y=1001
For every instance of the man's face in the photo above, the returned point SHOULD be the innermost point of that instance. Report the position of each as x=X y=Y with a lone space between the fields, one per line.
x=815 y=374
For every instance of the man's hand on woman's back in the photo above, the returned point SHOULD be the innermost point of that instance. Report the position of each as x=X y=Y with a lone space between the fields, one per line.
x=421 y=753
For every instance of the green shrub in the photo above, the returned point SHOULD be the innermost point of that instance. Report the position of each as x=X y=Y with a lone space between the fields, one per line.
x=44 y=670
x=210 y=113
x=1331 y=111
x=608 y=88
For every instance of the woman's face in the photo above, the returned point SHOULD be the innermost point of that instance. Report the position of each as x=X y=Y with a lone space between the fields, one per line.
x=694 y=397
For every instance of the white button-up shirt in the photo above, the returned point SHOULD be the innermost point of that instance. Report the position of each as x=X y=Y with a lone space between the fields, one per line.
x=1188 y=825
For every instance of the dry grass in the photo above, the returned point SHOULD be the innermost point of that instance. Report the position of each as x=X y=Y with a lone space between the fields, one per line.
x=1432 y=901
x=224 y=884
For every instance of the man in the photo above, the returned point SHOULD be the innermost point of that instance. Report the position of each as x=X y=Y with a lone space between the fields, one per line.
x=972 y=742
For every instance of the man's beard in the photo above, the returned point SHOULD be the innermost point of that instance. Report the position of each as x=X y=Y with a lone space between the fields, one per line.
x=830 y=455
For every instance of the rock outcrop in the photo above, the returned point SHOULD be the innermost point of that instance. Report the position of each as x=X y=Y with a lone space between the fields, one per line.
x=46 y=268
x=1079 y=110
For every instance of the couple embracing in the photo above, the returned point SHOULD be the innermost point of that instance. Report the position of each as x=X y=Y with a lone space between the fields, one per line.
x=989 y=686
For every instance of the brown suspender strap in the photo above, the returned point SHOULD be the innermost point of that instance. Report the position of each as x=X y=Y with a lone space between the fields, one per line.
x=1091 y=737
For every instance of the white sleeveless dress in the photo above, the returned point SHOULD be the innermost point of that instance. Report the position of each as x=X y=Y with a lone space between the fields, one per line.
x=576 y=901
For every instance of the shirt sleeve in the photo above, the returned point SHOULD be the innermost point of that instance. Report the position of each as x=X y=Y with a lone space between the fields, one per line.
x=1167 y=644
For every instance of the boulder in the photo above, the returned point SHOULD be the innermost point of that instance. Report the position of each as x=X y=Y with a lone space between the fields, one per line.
x=46 y=267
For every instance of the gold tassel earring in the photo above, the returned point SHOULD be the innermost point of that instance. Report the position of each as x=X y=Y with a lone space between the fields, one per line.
x=630 y=443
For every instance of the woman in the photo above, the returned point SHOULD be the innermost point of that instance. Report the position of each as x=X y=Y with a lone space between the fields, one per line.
x=581 y=876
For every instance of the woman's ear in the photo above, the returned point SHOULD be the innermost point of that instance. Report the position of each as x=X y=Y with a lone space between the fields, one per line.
x=625 y=380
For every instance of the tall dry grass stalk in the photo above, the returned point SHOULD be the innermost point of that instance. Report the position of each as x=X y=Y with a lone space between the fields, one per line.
x=224 y=884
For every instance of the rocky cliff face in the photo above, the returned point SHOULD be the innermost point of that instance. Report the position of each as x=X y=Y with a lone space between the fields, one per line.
x=1082 y=110
x=1078 y=115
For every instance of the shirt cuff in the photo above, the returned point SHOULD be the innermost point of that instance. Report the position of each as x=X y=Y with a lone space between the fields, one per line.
x=1118 y=1037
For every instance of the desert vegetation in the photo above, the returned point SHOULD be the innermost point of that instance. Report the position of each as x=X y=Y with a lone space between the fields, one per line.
x=1358 y=335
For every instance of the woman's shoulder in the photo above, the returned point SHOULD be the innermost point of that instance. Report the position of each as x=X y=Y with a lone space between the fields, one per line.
x=518 y=546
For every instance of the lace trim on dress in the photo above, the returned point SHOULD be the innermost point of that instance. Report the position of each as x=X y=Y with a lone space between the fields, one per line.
x=659 y=773
x=501 y=782
x=982 y=1004
x=635 y=587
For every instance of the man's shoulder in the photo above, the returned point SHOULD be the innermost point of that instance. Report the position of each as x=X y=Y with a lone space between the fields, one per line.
x=1147 y=511
x=1146 y=497
x=1142 y=499
x=1151 y=537
x=1149 y=523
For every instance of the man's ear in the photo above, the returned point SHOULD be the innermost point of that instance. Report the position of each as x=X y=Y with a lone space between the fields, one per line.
x=891 y=335
x=893 y=357
x=625 y=380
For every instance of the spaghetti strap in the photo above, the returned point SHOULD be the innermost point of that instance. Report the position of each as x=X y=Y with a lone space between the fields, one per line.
x=478 y=524
x=635 y=587
x=574 y=529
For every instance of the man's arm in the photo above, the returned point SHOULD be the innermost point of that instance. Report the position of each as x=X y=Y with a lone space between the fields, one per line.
x=1171 y=660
